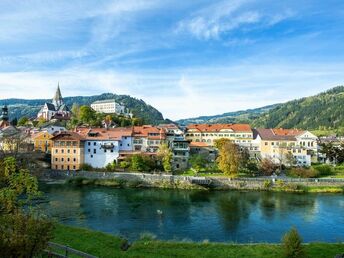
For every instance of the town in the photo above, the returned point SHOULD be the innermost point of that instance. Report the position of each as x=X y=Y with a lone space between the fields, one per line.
x=164 y=147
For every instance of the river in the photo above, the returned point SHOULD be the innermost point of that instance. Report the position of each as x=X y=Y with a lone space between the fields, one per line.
x=217 y=216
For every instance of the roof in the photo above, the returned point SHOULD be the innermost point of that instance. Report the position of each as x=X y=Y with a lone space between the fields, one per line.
x=276 y=134
x=281 y=131
x=149 y=131
x=198 y=145
x=68 y=135
x=219 y=127
x=102 y=134
x=50 y=106
x=104 y=101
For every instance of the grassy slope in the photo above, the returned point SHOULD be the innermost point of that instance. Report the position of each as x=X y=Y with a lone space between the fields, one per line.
x=104 y=245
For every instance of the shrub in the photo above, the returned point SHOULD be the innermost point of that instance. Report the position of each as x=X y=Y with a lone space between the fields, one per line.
x=292 y=244
x=267 y=184
x=86 y=167
x=303 y=172
x=267 y=167
x=110 y=167
x=324 y=170
x=280 y=183
x=124 y=164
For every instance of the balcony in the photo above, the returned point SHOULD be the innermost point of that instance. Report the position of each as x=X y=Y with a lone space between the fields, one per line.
x=107 y=146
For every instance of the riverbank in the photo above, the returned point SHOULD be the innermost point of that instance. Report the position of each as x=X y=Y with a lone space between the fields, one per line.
x=144 y=180
x=105 y=245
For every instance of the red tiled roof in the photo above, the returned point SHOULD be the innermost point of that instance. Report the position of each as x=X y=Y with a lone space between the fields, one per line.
x=198 y=144
x=149 y=131
x=281 y=131
x=269 y=134
x=104 y=134
x=219 y=127
x=68 y=135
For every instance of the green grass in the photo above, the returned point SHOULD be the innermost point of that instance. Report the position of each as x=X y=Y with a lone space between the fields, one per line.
x=105 y=245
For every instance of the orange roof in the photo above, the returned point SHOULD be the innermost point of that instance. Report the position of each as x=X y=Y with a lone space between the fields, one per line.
x=104 y=134
x=219 y=127
x=198 y=144
x=149 y=131
x=291 y=132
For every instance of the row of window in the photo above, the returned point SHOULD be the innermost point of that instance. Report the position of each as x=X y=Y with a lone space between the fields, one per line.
x=221 y=135
x=66 y=159
x=63 y=151
x=63 y=167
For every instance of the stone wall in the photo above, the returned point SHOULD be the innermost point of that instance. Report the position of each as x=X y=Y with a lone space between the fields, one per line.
x=208 y=182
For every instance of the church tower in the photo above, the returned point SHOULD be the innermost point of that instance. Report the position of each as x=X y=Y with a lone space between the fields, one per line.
x=57 y=100
x=4 y=114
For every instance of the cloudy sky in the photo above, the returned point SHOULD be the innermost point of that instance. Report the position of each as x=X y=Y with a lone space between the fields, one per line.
x=186 y=58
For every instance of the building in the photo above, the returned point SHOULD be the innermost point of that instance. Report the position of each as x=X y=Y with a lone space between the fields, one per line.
x=240 y=134
x=42 y=141
x=67 y=152
x=148 y=138
x=56 y=109
x=202 y=148
x=103 y=146
x=4 y=118
x=280 y=145
x=109 y=106
x=180 y=153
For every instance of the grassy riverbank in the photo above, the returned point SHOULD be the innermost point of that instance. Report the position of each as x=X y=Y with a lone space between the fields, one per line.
x=104 y=245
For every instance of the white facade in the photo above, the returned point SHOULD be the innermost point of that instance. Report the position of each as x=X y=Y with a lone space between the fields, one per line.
x=126 y=143
x=108 y=107
x=99 y=153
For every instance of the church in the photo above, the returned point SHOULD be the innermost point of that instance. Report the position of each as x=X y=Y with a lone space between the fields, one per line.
x=56 y=109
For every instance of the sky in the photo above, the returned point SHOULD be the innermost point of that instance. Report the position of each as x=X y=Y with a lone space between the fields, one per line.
x=186 y=58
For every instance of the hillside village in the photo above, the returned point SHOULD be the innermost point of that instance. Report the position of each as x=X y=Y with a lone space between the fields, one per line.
x=112 y=146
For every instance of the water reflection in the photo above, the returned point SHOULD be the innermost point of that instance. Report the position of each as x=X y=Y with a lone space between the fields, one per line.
x=197 y=215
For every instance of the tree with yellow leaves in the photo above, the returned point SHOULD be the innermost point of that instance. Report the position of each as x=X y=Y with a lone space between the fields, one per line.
x=228 y=159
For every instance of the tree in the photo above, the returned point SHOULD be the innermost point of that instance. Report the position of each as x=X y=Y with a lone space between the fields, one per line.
x=267 y=167
x=140 y=162
x=23 y=121
x=165 y=154
x=229 y=156
x=292 y=244
x=198 y=162
x=87 y=114
x=22 y=234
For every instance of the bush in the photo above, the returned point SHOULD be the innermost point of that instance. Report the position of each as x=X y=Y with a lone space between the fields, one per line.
x=124 y=164
x=292 y=244
x=267 y=184
x=111 y=167
x=267 y=167
x=324 y=170
x=303 y=172
x=86 y=167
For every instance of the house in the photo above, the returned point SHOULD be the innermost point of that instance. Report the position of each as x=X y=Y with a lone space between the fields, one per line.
x=280 y=145
x=180 y=152
x=42 y=141
x=56 y=109
x=240 y=134
x=148 y=138
x=109 y=106
x=202 y=148
x=103 y=146
x=67 y=152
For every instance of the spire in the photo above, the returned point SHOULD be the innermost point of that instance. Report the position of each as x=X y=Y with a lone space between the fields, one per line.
x=57 y=100
x=4 y=113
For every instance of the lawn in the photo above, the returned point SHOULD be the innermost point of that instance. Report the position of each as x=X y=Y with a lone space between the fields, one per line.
x=105 y=245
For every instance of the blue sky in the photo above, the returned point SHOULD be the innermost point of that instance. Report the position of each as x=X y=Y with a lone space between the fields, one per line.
x=186 y=58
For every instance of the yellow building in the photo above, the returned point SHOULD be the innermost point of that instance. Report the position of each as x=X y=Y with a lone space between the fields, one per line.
x=240 y=134
x=278 y=144
x=67 y=151
x=42 y=141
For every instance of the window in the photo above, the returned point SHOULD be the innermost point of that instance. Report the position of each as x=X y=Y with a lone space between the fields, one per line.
x=89 y=144
x=89 y=150
x=62 y=151
x=56 y=159
x=94 y=151
x=73 y=167
x=56 y=151
x=68 y=159
x=62 y=159
x=91 y=156
x=74 y=151
x=128 y=144
x=62 y=167
x=104 y=150
x=111 y=150
x=94 y=143
x=68 y=151
x=74 y=159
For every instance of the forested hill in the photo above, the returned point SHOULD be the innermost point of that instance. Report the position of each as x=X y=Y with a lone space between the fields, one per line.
x=242 y=116
x=29 y=108
x=323 y=111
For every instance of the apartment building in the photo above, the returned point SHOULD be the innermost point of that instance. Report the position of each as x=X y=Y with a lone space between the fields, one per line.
x=42 y=141
x=240 y=134
x=67 y=152
x=279 y=144
x=148 y=138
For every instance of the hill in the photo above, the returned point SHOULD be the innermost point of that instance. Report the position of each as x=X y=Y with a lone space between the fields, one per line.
x=29 y=108
x=320 y=112
x=242 y=116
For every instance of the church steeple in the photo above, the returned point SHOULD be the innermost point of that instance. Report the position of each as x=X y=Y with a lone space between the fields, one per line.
x=57 y=100
x=4 y=114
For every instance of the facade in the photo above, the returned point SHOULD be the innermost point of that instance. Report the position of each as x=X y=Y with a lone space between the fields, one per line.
x=280 y=145
x=201 y=148
x=103 y=146
x=148 y=138
x=67 y=152
x=240 y=134
x=42 y=141
x=56 y=109
x=180 y=151
x=108 y=106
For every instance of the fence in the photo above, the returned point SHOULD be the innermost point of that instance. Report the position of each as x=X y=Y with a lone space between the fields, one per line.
x=63 y=251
